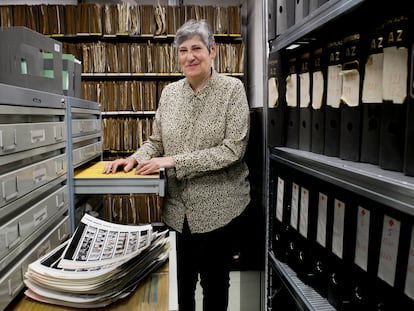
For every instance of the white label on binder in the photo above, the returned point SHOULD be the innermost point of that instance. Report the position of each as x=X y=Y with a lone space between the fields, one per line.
x=317 y=90
x=389 y=249
x=304 y=212
x=362 y=238
x=304 y=79
x=372 y=87
x=394 y=78
x=338 y=228
x=334 y=87
x=279 y=202
x=322 y=216
x=295 y=206
x=291 y=90
x=273 y=92
x=350 y=87
x=409 y=281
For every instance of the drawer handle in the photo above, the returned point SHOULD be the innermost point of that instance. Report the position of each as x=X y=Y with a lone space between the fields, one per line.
x=11 y=196
x=9 y=147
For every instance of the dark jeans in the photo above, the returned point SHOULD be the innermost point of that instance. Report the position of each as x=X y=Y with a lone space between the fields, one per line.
x=210 y=255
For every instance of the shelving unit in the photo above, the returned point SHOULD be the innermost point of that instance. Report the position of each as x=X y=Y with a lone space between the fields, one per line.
x=387 y=193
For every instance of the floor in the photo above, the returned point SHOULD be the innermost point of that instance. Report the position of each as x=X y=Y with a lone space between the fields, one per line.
x=244 y=292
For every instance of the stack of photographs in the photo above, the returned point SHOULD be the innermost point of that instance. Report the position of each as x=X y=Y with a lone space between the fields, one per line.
x=101 y=263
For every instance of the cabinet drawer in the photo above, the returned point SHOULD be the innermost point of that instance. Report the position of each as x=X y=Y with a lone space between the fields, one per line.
x=85 y=126
x=25 y=136
x=12 y=282
x=80 y=155
x=20 y=182
x=22 y=226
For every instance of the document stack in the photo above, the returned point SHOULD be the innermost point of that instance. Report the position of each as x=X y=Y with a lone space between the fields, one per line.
x=101 y=263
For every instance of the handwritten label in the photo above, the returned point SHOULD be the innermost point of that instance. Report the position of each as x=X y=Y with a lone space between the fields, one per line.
x=317 y=90
x=304 y=80
x=304 y=212
x=295 y=206
x=372 y=85
x=389 y=249
x=291 y=90
x=322 y=219
x=338 y=228
x=279 y=201
x=334 y=87
x=362 y=238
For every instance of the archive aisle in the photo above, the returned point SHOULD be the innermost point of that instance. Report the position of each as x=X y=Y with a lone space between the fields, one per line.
x=339 y=131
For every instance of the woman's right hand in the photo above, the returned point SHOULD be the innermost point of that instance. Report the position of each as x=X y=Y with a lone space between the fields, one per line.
x=113 y=166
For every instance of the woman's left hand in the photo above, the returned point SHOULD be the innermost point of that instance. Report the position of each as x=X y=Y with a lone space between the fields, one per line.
x=149 y=166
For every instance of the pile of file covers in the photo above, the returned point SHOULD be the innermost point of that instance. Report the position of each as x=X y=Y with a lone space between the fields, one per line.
x=101 y=263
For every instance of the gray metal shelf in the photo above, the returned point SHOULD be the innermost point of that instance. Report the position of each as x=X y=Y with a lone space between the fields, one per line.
x=388 y=187
x=306 y=298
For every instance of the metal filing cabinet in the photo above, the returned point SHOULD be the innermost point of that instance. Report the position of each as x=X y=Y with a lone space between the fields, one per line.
x=34 y=194
x=85 y=145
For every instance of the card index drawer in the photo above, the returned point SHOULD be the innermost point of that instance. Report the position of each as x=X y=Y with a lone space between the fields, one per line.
x=25 y=136
x=20 y=182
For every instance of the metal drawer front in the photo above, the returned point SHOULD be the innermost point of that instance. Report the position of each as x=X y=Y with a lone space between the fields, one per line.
x=16 y=184
x=20 y=137
x=83 y=154
x=85 y=126
x=22 y=226
x=12 y=282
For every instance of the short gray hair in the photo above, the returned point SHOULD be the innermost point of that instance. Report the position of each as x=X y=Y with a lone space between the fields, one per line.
x=193 y=28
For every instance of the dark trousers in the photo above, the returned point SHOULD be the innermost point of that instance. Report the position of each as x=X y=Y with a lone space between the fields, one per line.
x=208 y=255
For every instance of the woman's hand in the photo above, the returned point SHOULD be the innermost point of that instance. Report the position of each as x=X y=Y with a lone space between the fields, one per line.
x=127 y=164
x=149 y=166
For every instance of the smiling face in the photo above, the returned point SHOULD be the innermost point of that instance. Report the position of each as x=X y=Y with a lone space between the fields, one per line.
x=195 y=59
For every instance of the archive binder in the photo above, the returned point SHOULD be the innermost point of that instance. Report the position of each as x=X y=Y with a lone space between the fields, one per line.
x=394 y=107
x=333 y=98
x=276 y=102
x=285 y=15
x=342 y=248
x=292 y=102
x=366 y=253
x=307 y=228
x=350 y=124
x=318 y=72
x=372 y=97
x=392 y=262
x=301 y=10
x=305 y=109
x=282 y=213
x=320 y=264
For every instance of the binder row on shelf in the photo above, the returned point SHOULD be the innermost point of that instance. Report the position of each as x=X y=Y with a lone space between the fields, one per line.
x=150 y=57
x=355 y=252
x=284 y=14
x=348 y=95
x=118 y=19
x=132 y=209
x=126 y=133
x=124 y=96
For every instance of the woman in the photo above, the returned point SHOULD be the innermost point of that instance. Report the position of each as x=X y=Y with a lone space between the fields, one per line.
x=199 y=136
